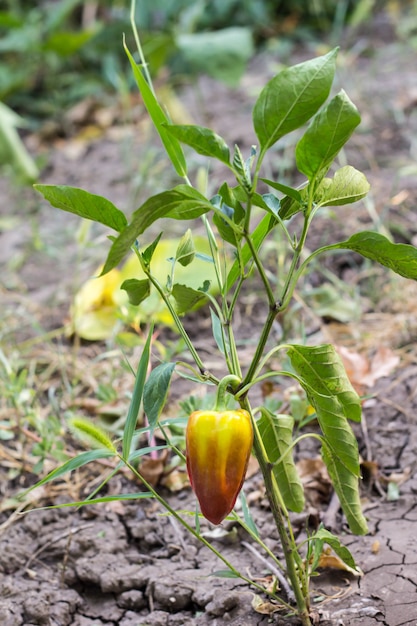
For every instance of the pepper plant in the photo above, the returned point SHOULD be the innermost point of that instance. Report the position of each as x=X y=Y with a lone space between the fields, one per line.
x=238 y=220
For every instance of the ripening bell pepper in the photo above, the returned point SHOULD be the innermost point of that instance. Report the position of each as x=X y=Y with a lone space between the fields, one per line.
x=218 y=445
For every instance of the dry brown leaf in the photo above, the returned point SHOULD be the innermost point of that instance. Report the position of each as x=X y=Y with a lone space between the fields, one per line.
x=175 y=480
x=330 y=560
x=264 y=607
x=152 y=469
x=364 y=372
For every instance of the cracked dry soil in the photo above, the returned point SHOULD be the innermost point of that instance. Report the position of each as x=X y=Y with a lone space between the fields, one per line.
x=127 y=565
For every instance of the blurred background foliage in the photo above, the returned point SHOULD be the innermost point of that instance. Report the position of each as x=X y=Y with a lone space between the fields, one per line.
x=54 y=53
x=57 y=53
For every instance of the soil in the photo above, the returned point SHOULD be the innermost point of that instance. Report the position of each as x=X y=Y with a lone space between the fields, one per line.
x=126 y=563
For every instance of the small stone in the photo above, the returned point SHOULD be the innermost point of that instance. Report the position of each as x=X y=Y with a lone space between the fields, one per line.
x=36 y=609
x=170 y=595
x=133 y=599
x=222 y=603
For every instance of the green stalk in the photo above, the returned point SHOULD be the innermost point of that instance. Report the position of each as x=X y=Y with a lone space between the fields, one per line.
x=139 y=45
x=261 y=344
x=293 y=560
x=181 y=328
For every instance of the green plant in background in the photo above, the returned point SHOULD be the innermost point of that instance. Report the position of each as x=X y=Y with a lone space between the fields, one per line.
x=239 y=220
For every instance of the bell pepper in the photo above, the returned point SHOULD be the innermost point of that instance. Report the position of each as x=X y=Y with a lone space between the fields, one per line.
x=218 y=445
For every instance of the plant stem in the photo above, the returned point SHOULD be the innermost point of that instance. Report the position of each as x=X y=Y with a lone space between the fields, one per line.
x=261 y=345
x=139 y=45
x=282 y=522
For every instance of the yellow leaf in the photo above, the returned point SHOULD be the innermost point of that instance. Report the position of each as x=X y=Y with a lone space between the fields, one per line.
x=101 y=303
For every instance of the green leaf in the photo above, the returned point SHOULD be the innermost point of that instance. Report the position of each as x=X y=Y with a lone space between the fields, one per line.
x=186 y=298
x=218 y=334
x=276 y=433
x=137 y=290
x=229 y=206
x=322 y=536
x=348 y=185
x=186 y=251
x=147 y=254
x=346 y=486
x=12 y=150
x=329 y=302
x=292 y=97
x=68 y=43
x=79 y=461
x=135 y=402
x=225 y=573
x=84 y=204
x=156 y=391
x=272 y=203
x=399 y=257
x=327 y=134
x=329 y=390
x=159 y=119
x=222 y=53
x=141 y=495
x=203 y=140
x=181 y=203
x=137 y=454
x=249 y=521
x=289 y=191
x=242 y=168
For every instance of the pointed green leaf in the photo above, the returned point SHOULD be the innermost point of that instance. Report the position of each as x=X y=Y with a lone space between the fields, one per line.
x=141 y=495
x=249 y=521
x=325 y=137
x=272 y=203
x=242 y=168
x=218 y=334
x=292 y=97
x=186 y=298
x=181 y=203
x=324 y=536
x=229 y=206
x=347 y=186
x=159 y=119
x=346 y=486
x=399 y=257
x=137 y=290
x=156 y=391
x=135 y=402
x=147 y=254
x=137 y=454
x=203 y=140
x=288 y=191
x=276 y=433
x=84 y=204
x=79 y=461
x=329 y=390
x=225 y=573
x=186 y=251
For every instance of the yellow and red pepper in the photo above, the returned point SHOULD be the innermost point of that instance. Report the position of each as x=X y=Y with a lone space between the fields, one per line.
x=218 y=444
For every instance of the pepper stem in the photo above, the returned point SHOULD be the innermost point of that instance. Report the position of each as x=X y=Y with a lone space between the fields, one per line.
x=222 y=389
